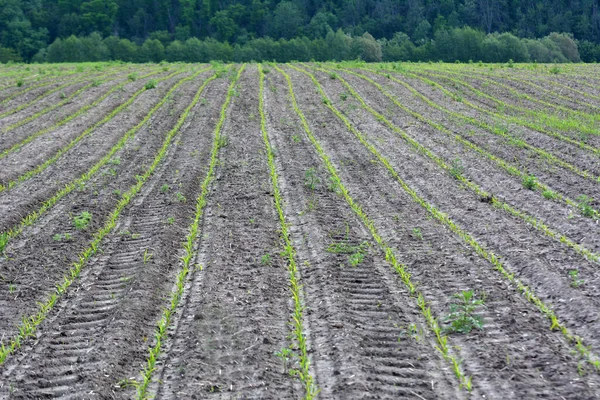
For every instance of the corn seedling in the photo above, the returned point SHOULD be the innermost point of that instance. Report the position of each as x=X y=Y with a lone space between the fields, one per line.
x=289 y=253
x=147 y=256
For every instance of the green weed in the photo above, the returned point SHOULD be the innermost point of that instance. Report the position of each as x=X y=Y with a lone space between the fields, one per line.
x=462 y=317
x=311 y=179
x=529 y=182
x=82 y=220
x=575 y=281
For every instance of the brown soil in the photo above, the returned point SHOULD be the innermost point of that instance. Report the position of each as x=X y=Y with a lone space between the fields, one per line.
x=366 y=336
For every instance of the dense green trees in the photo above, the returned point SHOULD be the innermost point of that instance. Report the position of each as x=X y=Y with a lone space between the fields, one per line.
x=449 y=30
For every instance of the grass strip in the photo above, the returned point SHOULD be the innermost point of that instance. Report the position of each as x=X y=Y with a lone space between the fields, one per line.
x=41 y=167
x=63 y=102
x=29 y=324
x=510 y=169
x=443 y=218
x=64 y=121
x=310 y=388
x=442 y=340
x=28 y=220
x=588 y=254
x=188 y=246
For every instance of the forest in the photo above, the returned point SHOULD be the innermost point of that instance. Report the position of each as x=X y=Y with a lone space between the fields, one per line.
x=303 y=30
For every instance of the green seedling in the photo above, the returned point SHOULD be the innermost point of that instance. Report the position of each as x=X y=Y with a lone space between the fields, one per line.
x=334 y=185
x=12 y=288
x=456 y=170
x=20 y=82
x=530 y=182
x=417 y=233
x=132 y=77
x=575 y=281
x=549 y=194
x=180 y=197
x=311 y=179
x=59 y=237
x=295 y=138
x=82 y=220
x=4 y=237
x=223 y=142
x=170 y=220
x=343 y=96
x=165 y=188
x=462 y=317
x=585 y=206
x=63 y=95
x=147 y=256
x=266 y=259
x=285 y=355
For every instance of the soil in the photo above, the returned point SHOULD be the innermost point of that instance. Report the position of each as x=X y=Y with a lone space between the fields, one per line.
x=366 y=335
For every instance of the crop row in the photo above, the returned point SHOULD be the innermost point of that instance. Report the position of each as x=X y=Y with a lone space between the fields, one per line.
x=64 y=121
x=289 y=251
x=28 y=220
x=390 y=256
x=480 y=192
x=66 y=100
x=465 y=236
x=520 y=142
x=41 y=167
x=30 y=323
x=508 y=167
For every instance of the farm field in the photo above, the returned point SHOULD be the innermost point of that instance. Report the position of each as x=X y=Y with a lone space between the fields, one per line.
x=307 y=230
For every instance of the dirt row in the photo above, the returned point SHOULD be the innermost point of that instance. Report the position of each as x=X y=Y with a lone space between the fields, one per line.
x=106 y=321
x=556 y=176
x=516 y=331
x=27 y=195
x=99 y=86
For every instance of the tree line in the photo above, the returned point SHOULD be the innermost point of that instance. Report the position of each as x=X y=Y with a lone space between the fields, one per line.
x=241 y=30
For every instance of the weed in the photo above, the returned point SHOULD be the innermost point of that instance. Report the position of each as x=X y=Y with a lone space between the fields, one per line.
x=266 y=259
x=63 y=95
x=20 y=82
x=285 y=355
x=132 y=77
x=343 y=96
x=296 y=139
x=511 y=63
x=334 y=185
x=170 y=220
x=530 y=182
x=311 y=179
x=457 y=169
x=12 y=288
x=4 y=237
x=151 y=84
x=356 y=258
x=180 y=197
x=462 y=316
x=82 y=220
x=585 y=205
x=575 y=281
x=555 y=70
x=356 y=253
x=333 y=75
x=549 y=194
x=417 y=233
x=115 y=161
x=223 y=142
x=59 y=237
x=96 y=83
x=165 y=188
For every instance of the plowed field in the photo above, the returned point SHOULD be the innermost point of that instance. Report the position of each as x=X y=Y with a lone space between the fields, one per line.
x=331 y=231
